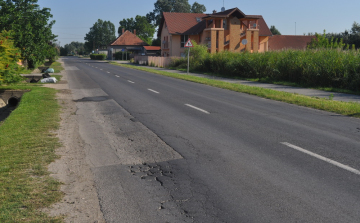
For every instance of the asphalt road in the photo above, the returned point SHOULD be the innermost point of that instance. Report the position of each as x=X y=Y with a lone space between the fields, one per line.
x=167 y=150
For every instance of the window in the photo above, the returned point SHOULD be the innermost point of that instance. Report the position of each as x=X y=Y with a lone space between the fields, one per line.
x=183 y=40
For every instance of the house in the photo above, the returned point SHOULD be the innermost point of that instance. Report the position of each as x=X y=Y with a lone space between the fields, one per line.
x=281 y=42
x=127 y=41
x=227 y=30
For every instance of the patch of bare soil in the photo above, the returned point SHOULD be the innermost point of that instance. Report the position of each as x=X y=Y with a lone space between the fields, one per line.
x=80 y=203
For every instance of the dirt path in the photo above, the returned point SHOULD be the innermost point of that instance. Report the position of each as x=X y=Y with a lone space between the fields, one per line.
x=80 y=202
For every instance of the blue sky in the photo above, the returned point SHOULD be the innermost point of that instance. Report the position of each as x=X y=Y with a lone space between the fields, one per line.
x=75 y=17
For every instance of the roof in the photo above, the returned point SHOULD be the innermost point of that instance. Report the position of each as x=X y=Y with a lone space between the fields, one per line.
x=183 y=23
x=263 y=27
x=280 y=42
x=189 y=24
x=128 y=39
x=227 y=13
x=152 y=47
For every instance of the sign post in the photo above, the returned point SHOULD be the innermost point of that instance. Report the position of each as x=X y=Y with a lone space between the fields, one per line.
x=188 y=44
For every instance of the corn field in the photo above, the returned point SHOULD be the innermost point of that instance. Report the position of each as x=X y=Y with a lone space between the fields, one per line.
x=313 y=68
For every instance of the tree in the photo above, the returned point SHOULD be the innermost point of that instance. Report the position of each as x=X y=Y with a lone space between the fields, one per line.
x=198 y=8
x=350 y=37
x=321 y=41
x=156 y=42
x=73 y=48
x=31 y=26
x=9 y=56
x=171 y=6
x=274 y=30
x=101 y=34
x=144 y=30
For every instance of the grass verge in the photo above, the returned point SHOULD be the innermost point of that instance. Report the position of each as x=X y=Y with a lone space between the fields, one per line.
x=343 y=108
x=27 y=146
x=57 y=67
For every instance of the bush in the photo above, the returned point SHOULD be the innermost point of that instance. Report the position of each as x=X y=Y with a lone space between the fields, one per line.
x=9 y=56
x=98 y=56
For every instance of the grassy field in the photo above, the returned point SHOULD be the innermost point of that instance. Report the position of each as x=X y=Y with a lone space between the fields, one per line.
x=344 y=108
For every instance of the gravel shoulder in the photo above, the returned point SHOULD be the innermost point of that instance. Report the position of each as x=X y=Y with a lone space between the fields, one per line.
x=80 y=202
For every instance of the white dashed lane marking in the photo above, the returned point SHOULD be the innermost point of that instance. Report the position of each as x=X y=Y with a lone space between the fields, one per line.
x=199 y=109
x=153 y=91
x=333 y=162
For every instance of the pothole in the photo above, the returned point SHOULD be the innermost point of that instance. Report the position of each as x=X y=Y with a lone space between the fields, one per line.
x=93 y=99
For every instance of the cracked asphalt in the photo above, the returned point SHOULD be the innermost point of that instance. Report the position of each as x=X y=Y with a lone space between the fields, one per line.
x=166 y=150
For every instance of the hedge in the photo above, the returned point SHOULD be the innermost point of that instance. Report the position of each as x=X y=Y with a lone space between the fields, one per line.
x=98 y=56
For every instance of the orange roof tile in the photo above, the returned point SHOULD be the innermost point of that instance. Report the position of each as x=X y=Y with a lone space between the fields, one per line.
x=152 y=47
x=184 y=23
x=279 y=42
x=128 y=39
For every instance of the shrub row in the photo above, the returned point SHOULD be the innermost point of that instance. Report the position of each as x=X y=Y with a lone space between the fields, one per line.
x=313 y=68
x=98 y=56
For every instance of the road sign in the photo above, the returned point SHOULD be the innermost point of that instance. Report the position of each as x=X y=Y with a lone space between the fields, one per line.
x=189 y=43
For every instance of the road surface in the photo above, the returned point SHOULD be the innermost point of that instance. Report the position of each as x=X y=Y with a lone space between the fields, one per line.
x=167 y=150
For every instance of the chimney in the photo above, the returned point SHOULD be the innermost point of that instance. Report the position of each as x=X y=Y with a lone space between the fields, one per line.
x=214 y=11
x=135 y=32
x=123 y=30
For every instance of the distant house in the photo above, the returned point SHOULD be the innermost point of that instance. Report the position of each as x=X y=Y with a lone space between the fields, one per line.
x=227 y=30
x=126 y=42
x=281 y=42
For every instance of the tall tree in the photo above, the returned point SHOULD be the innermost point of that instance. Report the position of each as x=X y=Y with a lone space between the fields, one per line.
x=101 y=34
x=144 y=30
x=274 y=30
x=198 y=8
x=31 y=26
x=171 y=6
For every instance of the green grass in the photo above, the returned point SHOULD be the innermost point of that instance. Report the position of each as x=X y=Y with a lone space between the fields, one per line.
x=27 y=146
x=57 y=67
x=344 y=108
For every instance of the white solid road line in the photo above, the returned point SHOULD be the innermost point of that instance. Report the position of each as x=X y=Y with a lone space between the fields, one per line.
x=199 y=109
x=131 y=82
x=153 y=91
x=323 y=158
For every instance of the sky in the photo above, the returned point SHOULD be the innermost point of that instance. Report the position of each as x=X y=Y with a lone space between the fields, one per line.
x=74 y=18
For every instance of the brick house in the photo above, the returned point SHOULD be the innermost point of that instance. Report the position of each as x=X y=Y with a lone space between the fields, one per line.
x=227 y=30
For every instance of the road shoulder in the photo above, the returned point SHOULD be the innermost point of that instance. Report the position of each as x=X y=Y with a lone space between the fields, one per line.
x=80 y=202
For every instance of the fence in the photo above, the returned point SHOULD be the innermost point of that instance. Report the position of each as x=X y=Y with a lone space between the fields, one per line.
x=155 y=61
